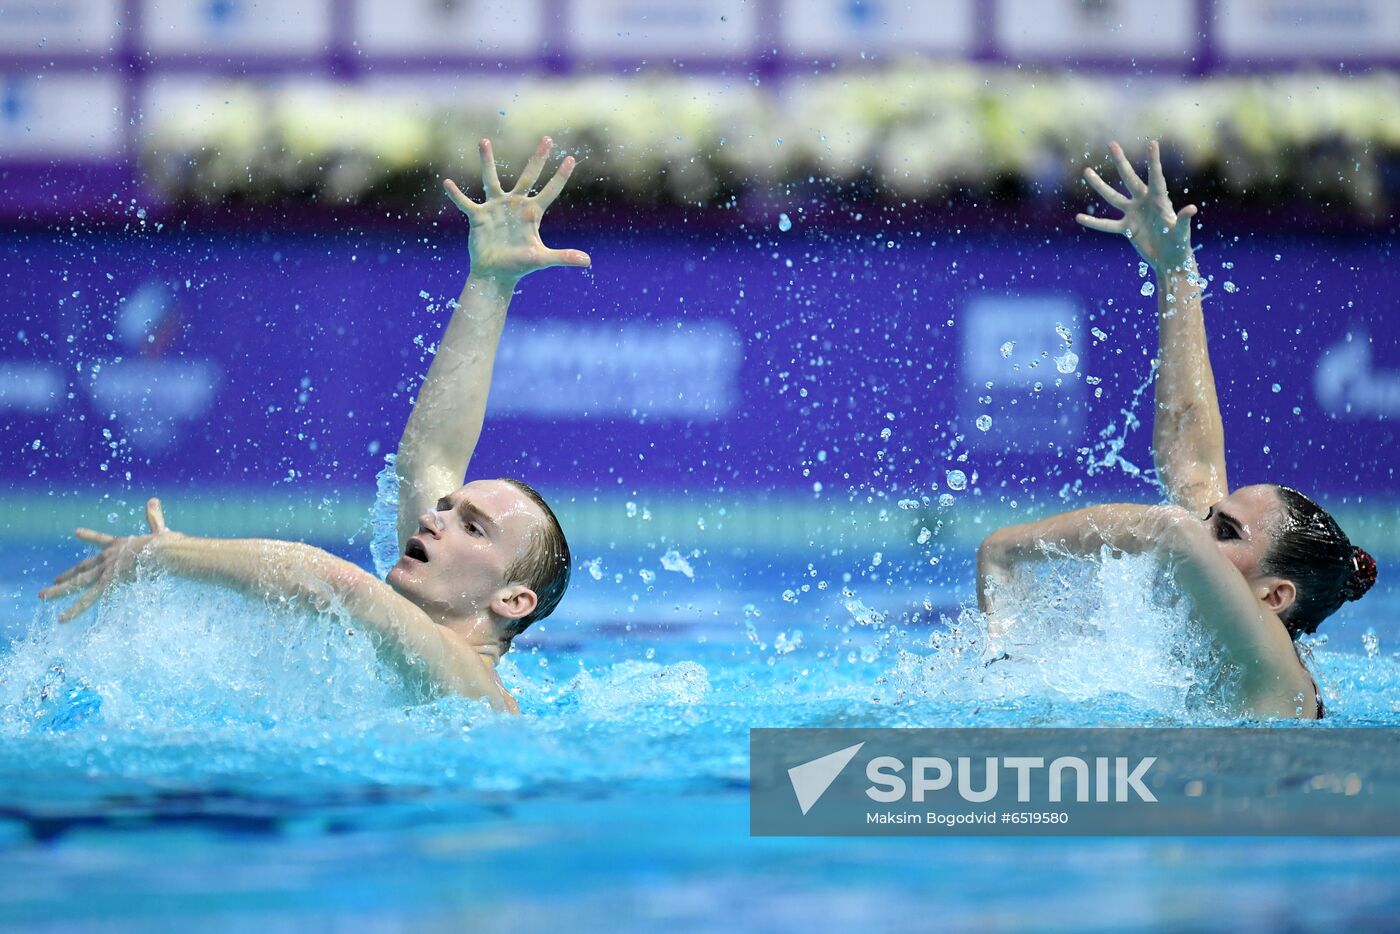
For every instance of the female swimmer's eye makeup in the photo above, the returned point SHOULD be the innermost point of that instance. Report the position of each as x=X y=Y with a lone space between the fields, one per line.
x=1223 y=530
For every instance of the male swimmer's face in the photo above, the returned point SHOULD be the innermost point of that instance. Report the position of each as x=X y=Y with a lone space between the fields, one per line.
x=1243 y=526
x=457 y=561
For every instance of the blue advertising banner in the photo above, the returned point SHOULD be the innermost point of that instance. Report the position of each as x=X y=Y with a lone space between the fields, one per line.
x=842 y=363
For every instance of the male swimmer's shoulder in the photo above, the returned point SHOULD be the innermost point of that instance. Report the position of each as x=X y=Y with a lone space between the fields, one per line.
x=472 y=675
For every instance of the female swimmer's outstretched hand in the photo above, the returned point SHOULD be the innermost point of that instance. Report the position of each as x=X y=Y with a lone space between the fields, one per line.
x=1161 y=234
x=112 y=565
x=505 y=239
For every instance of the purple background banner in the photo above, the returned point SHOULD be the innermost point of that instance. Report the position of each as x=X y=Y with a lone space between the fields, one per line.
x=712 y=362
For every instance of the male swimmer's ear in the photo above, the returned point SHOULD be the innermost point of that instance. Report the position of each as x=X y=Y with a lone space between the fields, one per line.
x=516 y=603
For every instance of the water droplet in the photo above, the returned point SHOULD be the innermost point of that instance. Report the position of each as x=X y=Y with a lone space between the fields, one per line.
x=957 y=480
x=1230 y=286
x=1007 y=347
x=984 y=422
x=784 y=223
x=673 y=560
x=1148 y=289
x=783 y=643
x=1067 y=361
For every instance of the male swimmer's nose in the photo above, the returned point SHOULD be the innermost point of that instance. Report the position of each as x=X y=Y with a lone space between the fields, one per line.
x=431 y=522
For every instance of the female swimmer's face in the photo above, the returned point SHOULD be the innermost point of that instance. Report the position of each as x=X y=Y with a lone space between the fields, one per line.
x=1243 y=524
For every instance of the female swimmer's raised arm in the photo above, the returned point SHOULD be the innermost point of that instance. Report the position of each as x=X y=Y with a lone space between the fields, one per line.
x=427 y=654
x=1274 y=682
x=447 y=416
x=1188 y=439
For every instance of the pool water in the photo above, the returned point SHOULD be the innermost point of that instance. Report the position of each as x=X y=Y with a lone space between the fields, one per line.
x=185 y=757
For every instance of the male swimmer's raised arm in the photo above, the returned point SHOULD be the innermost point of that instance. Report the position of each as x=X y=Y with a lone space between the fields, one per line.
x=1275 y=683
x=1188 y=439
x=505 y=245
x=295 y=573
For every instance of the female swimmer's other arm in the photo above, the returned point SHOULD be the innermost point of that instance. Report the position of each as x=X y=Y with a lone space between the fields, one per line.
x=1188 y=437
x=504 y=245
x=292 y=573
x=1124 y=527
x=1274 y=681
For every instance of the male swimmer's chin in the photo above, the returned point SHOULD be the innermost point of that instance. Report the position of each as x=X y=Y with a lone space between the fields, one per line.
x=401 y=578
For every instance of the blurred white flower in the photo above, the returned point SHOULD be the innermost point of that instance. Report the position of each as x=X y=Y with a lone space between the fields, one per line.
x=914 y=128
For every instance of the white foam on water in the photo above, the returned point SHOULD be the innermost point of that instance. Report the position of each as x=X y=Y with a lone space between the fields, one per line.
x=1078 y=632
x=166 y=656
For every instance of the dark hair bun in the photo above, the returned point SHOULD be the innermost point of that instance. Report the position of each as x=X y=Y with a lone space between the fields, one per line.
x=1362 y=577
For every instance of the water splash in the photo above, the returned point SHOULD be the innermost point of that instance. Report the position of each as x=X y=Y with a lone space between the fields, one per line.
x=384 y=518
x=1106 y=633
x=163 y=657
x=1106 y=454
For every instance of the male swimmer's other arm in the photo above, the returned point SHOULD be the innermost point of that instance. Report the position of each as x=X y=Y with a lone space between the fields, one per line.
x=1188 y=438
x=1273 y=678
x=504 y=245
x=292 y=573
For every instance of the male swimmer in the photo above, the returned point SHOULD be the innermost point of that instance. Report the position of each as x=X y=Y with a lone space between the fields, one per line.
x=1262 y=565
x=479 y=563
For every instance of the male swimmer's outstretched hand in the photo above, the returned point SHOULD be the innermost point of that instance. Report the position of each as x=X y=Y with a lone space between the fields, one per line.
x=505 y=239
x=114 y=564
x=504 y=246
x=1161 y=234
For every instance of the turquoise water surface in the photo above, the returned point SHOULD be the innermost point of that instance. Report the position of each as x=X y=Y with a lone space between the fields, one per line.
x=189 y=757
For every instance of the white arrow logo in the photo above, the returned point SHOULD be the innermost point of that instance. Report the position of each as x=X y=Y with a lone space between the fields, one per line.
x=810 y=780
